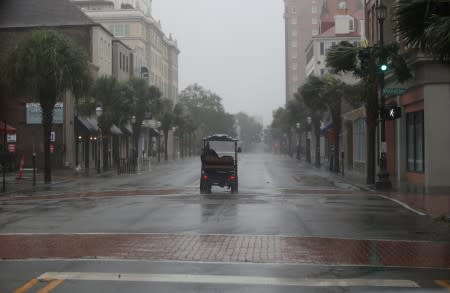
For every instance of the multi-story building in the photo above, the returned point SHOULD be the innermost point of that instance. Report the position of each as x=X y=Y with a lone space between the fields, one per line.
x=17 y=19
x=302 y=18
x=154 y=54
x=305 y=19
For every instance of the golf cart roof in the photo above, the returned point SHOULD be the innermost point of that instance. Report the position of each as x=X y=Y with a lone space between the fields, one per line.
x=220 y=137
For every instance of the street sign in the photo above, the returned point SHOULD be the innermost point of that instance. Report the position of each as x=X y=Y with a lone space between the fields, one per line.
x=11 y=148
x=12 y=138
x=391 y=112
x=52 y=136
x=394 y=91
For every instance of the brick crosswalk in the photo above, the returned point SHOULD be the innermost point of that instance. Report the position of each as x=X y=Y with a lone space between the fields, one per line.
x=228 y=248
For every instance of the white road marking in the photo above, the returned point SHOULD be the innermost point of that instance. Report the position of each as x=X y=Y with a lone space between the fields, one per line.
x=230 y=263
x=230 y=280
x=403 y=205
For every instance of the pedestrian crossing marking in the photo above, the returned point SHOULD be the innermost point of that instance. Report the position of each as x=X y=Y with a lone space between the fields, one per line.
x=227 y=279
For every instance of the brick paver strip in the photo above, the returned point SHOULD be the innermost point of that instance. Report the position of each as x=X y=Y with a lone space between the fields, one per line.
x=228 y=248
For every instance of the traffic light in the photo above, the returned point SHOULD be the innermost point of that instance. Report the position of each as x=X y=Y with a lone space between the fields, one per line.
x=364 y=55
x=389 y=112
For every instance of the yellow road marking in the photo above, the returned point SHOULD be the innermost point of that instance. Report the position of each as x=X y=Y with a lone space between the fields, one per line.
x=443 y=283
x=50 y=286
x=27 y=286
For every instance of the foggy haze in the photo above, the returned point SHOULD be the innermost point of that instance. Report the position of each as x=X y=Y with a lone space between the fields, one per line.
x=234 y=48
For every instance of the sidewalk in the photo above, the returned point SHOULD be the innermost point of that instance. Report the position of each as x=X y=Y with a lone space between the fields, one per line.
x=59 y=176
x=434 y=202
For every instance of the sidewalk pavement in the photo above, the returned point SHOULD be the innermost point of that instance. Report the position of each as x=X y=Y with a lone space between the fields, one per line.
x=434 y=202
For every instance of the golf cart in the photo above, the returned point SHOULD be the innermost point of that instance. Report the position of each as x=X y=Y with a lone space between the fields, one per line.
x=219 y=163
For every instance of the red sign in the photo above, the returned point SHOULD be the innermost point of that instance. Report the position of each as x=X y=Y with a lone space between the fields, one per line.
x=12 y=148
x=52 y=148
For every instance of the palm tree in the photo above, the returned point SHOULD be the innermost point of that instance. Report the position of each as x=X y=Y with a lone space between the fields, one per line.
x=146 y=100
x=424 y=24
x=167 y=117
x=45 y=65
x=116 y=100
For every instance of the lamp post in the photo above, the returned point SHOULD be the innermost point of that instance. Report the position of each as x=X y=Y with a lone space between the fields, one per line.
x=98 y=113
x=298 y=140
x=383 y=182
x=308 y=140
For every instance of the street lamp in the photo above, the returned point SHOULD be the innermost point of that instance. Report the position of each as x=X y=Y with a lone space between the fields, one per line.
x=308 y=140
x=99 y=113
x=383 y=182
x=298 y=140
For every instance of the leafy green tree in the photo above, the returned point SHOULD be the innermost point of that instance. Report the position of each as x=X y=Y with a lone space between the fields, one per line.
x=250 y=128
x=207 y=112
x=424 y=24
x=343 y=58
x=45 y=65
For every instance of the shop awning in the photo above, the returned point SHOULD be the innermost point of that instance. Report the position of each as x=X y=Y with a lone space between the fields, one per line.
x=86 y=125
x=154 y=132
x=324 y=130
x=115 y=130
x=9 y=128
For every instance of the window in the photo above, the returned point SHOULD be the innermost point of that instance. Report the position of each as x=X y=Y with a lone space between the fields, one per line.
x=294 y=20
x=294 y=33
x=415 y=141
x=293 y=10
x=351 y=25
x=126 y=64
x=120 y=60
x=315 y=31
x=322 y=48
x=322 y=71
x=360 y=140
x=294 y=44
x=314 y=20
x=120 y=29
x=314 y=9
x=294 y=54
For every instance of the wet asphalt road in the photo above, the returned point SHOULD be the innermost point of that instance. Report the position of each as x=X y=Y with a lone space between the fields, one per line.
x=278 y=197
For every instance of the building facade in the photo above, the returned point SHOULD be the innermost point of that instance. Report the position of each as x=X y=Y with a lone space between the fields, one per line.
x=302 y=18
x=417 y=145
x=155 y=55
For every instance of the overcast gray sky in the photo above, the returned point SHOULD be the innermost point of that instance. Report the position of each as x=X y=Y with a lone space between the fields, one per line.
x=234 y=48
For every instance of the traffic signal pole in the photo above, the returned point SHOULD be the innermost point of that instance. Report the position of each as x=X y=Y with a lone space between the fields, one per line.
x=383 y=182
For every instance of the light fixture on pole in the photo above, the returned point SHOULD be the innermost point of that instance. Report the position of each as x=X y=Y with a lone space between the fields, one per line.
x=298 y=140
x=99 y=113
x=383 y=182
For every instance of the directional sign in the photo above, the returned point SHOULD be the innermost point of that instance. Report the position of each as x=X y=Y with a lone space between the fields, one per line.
x=391 y=113
x=394 y=91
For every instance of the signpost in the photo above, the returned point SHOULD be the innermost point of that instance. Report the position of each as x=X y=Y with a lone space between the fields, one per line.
x=389 y=92
x=391 y=112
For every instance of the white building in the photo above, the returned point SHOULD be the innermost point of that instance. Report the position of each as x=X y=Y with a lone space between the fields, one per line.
x=155 y=55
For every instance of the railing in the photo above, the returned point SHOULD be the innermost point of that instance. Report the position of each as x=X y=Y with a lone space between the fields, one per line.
x=130 y=166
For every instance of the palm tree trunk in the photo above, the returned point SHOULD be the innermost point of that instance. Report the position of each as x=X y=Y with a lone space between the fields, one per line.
x=47 y=120
x=166 y=137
